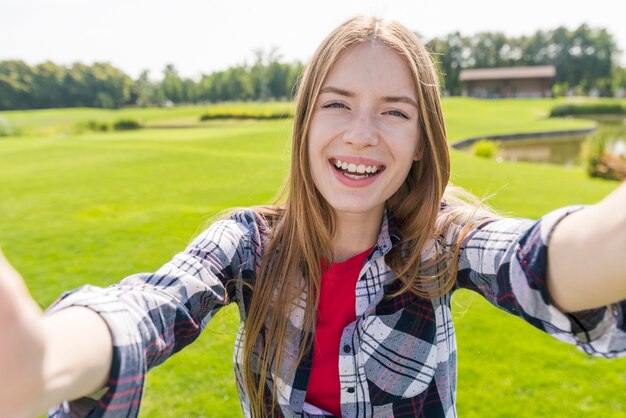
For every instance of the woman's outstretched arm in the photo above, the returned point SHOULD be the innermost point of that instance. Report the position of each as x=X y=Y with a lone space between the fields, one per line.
x=587 y=256
x=46 y=359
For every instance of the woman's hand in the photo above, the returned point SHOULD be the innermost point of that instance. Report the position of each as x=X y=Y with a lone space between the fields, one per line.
x=22 y=346
x=43 y=360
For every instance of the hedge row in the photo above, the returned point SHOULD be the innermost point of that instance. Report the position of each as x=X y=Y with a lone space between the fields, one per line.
x=588 y=109
x=118 y=125
x=256 y=116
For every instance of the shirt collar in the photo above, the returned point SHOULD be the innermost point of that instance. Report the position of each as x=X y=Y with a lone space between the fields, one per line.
x=388 y=236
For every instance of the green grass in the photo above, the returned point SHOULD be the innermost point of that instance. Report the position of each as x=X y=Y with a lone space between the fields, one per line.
x=467 y=117
x=95 y=207
x=62 y=122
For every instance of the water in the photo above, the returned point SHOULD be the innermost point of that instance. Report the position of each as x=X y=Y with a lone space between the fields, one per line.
x=566 y=150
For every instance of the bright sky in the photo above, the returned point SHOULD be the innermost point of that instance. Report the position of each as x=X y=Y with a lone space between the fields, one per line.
x=200 y=36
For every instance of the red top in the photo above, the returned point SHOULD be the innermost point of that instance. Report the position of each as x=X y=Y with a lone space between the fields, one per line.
x=336 y=309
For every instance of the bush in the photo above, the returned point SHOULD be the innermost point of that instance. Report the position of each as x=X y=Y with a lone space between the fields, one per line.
x=601 y=161
x=126 y=125
x=608 y=166
x=257 y=116
x=6 y=128
x=94 y=125
x=486 y=149
x=560 y=89
x=588 y=109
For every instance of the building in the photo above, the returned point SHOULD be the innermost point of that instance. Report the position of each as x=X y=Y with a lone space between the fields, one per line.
x=508 y=81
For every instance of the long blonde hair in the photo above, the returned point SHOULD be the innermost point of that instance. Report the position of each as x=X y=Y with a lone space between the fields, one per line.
x=302 y=228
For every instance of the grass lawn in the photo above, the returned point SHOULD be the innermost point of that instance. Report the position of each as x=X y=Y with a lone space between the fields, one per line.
x=467 y=117
x=95 y=207
x=62 y=122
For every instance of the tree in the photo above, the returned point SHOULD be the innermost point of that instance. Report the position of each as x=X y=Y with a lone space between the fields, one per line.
x=140 y=93
x=190 y=91
x=451 y=55
x=488 y=49
x=111 y=87
x=77 y=86
x=278 y=78
x=15 y=81
x=172 y=85
x=237 y=84
x=47 y=88
x=259 y=76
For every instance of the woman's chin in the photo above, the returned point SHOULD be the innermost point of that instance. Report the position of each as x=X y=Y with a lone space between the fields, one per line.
x=352 y=207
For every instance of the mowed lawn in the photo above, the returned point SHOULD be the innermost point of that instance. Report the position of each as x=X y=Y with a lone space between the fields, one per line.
x=95 y=207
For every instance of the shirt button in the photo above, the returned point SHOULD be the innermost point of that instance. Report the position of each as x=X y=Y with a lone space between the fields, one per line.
x=350 y=390
x=347 y=348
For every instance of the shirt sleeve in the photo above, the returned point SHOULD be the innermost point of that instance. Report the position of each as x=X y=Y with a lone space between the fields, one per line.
x=506 y=261
x=154 y=315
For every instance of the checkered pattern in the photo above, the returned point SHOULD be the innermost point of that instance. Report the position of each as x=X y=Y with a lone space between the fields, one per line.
x=397 y=359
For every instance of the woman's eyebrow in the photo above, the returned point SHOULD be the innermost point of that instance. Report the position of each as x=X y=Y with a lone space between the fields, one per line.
x=386 y=99
x=402 y=99
x=337 y=90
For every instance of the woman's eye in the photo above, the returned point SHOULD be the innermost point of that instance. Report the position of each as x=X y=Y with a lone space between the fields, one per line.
x=398 y=114
x=334 y=105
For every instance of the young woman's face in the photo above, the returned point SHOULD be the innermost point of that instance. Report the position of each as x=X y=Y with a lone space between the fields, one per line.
x=364 y=132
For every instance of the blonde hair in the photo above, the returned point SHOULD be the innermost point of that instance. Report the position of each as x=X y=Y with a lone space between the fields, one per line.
x=302 y=228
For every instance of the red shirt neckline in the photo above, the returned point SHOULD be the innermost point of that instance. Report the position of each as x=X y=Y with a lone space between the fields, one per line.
x=351 y=263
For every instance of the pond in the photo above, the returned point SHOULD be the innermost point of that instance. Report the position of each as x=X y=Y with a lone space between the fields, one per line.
x=561 y=149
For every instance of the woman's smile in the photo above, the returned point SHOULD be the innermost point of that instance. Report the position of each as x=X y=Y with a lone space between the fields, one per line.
x=356 y=171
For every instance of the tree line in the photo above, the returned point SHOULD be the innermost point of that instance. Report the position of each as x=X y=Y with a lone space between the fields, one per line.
x=267 y=79
x=49 y=85
x=585 y=60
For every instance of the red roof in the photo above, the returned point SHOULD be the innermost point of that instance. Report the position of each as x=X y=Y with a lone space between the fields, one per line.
x=539 y=71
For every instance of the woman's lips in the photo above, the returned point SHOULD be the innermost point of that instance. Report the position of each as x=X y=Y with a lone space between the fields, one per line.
x=355 y=175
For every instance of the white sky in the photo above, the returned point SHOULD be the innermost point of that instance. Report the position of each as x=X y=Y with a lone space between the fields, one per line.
x=200 y=36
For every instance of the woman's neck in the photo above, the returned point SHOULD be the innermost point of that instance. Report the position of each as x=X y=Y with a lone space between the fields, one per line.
x=355 y=233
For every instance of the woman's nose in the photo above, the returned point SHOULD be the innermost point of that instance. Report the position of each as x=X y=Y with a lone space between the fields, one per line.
x=361 y=131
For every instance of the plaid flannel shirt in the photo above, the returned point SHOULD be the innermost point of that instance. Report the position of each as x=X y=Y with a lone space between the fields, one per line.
x=397 y=359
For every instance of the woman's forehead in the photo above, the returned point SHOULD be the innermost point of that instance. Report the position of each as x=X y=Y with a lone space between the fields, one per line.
x=374 y=66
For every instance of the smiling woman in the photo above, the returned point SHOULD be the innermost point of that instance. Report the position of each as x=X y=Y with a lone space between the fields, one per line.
x=344 y=289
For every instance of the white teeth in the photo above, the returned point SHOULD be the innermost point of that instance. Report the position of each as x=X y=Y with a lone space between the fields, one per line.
x=353 y=176
x=353 y=168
